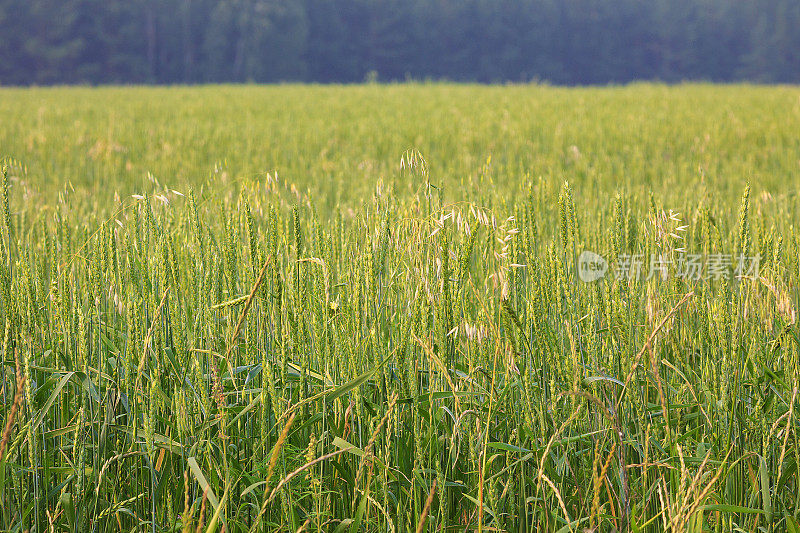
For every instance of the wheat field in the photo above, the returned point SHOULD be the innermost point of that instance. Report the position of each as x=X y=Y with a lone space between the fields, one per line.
x=413 y=307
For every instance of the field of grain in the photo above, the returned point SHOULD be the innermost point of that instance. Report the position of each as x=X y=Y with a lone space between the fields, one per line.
x=369 y=308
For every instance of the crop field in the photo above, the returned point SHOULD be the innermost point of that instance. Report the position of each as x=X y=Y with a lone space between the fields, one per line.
x=400 y=308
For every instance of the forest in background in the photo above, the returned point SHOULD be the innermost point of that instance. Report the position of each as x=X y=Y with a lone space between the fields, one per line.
x=557 y=41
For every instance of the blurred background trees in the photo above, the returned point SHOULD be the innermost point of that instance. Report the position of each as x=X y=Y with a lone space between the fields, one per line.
x=560 y=41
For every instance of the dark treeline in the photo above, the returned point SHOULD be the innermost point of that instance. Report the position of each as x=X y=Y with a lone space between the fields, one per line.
x=560 y=41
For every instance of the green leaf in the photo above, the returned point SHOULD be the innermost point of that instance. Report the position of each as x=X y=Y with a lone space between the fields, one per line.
x=593 y=379
x=252 y=487
x=725 y=508
x=341 y=390
x=343 y=525
x=201 y=479
x=43 y=411
x=343 y=444
x=572 y=525
x=766 y=497
x=69 y=508
x=362 y=506
x=507 y=447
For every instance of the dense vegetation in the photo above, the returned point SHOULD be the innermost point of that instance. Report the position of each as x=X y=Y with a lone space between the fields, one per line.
x=258 y=309
x=561 y=41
